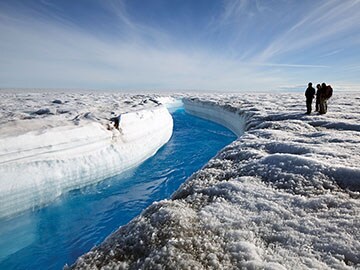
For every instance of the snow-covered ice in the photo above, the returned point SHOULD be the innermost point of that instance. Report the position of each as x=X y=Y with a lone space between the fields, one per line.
x=51 y=143
x=284 y=195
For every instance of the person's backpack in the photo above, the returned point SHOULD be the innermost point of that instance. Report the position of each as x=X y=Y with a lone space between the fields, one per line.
x=329 y=91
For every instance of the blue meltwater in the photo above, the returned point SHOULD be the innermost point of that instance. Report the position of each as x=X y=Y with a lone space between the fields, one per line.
x=55 y=235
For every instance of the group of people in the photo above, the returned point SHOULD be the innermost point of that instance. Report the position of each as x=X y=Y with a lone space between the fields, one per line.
x=323 y=93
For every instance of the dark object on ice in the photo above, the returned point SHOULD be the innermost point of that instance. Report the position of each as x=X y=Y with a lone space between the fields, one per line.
x=309 y=93
x=317 y=105
x=87 y=116
x=62 y=111
x=116 y=121
x=42 y=111
x=143 y=102
x=326 y=92
x=57 y=101
x=155 y=101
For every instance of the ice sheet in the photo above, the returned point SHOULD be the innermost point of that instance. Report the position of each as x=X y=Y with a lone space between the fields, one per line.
x=285 y=195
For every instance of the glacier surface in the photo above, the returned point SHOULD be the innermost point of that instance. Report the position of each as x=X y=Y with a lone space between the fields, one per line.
x=285 y=195
x=60 y=146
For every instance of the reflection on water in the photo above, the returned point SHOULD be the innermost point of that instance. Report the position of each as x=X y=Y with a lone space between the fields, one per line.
x=59 y=233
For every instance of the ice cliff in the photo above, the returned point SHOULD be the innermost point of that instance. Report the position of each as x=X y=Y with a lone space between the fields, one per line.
x=227 y=116
x=39 y=163
x=285 y=195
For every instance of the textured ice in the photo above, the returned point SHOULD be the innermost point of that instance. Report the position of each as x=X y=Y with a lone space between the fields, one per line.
x=53 y=143
x=285 y=195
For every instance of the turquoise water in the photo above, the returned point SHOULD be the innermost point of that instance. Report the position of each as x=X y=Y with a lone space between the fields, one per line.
x=50 y=237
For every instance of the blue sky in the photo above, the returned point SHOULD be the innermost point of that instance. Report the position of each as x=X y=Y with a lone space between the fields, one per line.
x=222 y=45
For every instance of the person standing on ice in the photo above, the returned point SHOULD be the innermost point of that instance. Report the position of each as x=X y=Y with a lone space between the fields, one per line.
x=318 y=91
x=325 y=94
x=309 y=93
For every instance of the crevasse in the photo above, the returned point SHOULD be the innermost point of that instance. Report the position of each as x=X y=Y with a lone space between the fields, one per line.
x=36 y=167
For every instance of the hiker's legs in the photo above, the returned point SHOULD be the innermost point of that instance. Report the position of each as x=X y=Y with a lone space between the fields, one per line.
x=317 y=105
x=322 y=108
x=308 y=106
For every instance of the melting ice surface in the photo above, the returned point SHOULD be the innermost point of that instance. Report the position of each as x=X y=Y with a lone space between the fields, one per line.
x=69 y=227
x=284 y=195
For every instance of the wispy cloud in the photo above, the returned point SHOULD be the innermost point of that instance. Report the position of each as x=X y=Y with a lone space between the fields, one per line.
x=53 y=49
x=267 y=64
x=73 y=57
x=332 y=19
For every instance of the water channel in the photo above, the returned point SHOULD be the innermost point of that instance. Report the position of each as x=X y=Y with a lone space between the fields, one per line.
x=59 y=233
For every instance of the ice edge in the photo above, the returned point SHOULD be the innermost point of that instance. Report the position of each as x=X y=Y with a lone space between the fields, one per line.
x=72 y=157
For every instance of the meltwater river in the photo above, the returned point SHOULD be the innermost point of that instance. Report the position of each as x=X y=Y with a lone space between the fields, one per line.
x=52 y=236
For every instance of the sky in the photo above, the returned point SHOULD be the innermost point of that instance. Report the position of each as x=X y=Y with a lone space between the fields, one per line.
x=172 y=45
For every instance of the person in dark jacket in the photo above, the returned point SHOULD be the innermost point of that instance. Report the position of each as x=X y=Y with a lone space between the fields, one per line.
x=309 y=94
x=325 y=93
x=318 y=91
